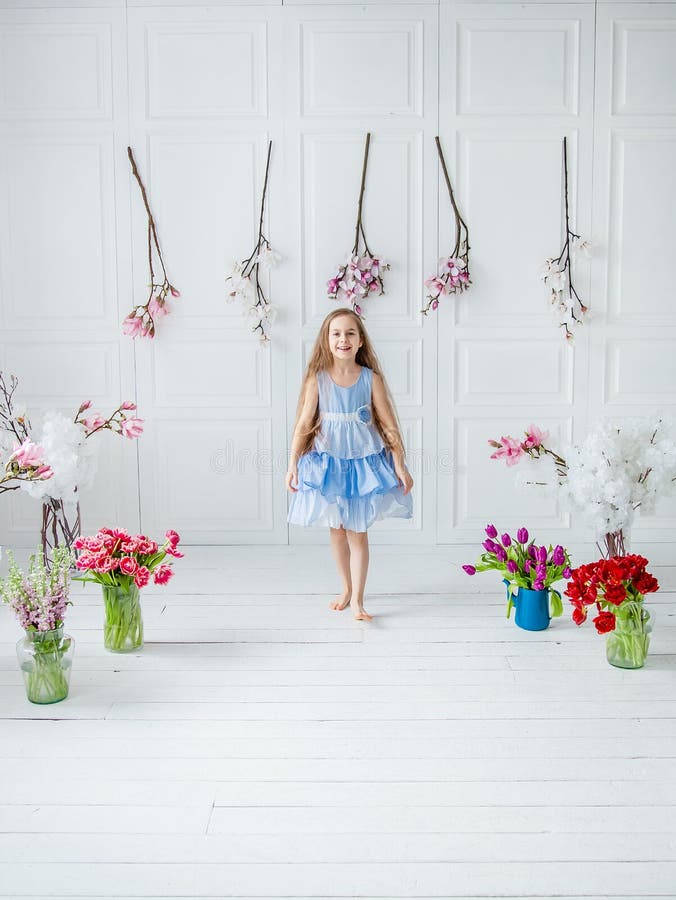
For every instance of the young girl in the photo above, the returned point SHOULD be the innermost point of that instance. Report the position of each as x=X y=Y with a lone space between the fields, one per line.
x=347 y=457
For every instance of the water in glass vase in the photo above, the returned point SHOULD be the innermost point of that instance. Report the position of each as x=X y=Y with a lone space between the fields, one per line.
x=123 y=625
x=627 y=646
x=46 y=658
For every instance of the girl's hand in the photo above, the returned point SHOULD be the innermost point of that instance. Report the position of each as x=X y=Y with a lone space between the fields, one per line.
x=292 y=479
x=405 y=479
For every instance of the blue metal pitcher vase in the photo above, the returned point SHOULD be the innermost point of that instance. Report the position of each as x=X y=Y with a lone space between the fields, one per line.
x=532 y=607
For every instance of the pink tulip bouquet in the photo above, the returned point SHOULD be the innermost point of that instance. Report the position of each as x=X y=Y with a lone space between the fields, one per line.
x=122 y=564
x=523 y=564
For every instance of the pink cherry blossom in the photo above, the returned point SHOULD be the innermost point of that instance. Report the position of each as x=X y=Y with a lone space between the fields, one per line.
x=132 y=428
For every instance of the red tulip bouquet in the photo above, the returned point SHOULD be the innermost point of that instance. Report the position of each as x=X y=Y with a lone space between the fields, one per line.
x=617 y=588
x=121 y=564
x=523 y=564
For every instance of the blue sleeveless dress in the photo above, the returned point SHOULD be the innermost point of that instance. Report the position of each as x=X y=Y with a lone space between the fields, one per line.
x=348 y=478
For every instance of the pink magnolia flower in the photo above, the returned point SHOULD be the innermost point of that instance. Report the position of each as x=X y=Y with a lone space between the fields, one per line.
x=535 y=437
x=96 y=421
x=133 y=326
x=435 y=285
x=83 y=406
x=128 y=404
x=163 y=573
x=174 y=291
x=44 y=472
x=157 y=308
x=132 y=428
x=510 y=450
x=28 y=455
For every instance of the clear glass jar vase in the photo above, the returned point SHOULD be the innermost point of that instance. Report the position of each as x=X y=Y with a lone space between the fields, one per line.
x=123 y=624
x=45 y=658
x=627 y=646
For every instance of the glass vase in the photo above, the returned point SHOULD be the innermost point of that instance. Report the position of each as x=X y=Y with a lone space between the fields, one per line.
x=46 y=658
x=627 y=646
x=123 y=625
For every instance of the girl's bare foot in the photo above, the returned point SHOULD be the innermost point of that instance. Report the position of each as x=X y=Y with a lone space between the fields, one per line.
x=360 y=613
x=342 y=602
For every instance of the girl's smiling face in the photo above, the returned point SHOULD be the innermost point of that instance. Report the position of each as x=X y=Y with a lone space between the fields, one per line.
x=344 y=338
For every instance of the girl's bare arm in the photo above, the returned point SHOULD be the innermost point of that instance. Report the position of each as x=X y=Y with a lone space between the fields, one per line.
x=303 y=425
x=386 y=415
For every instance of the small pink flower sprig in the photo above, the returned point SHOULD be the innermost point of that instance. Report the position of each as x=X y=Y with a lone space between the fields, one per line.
x=357 y=280
x=245 y=276
x=141 y=320
x=512 y=450
x=27 y=463
x=452 y=276
x=114 y=557
x=361 y=276
x=557 y=274
x=118 y=421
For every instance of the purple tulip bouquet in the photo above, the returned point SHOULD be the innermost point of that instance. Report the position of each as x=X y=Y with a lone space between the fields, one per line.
x=523 y=564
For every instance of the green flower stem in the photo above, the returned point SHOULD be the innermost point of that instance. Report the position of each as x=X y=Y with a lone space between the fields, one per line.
x=123 y=626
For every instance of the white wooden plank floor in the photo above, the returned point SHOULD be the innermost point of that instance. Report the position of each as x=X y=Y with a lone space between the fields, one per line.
x=262 y=745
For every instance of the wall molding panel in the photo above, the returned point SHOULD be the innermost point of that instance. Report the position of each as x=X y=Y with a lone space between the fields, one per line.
x=198 y=90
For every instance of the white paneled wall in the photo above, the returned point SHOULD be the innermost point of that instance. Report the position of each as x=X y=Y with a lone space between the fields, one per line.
x=197 y=91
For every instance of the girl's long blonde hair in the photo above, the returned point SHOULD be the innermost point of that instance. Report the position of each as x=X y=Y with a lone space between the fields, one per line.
x=321 y=360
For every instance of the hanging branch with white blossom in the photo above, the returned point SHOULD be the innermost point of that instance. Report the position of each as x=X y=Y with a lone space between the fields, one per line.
x=452 y=276
x=361 y=275
x=557 y=272
x=141 y=320
x=245 y=276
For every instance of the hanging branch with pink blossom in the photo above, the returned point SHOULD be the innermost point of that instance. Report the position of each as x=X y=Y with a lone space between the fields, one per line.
x=244 y=279
x=141 y=320
x=452 y=276
x=557 y=271
x=362 y=275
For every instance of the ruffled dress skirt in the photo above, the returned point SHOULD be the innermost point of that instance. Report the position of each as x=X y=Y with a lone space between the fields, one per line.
x=348 y=479
x=352 y=493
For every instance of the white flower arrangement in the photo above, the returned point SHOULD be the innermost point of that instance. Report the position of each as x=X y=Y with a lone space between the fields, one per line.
x=621 y=467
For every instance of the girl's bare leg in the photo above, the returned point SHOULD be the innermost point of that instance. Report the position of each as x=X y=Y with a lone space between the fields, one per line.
x=341 y=554
x=358 y=542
